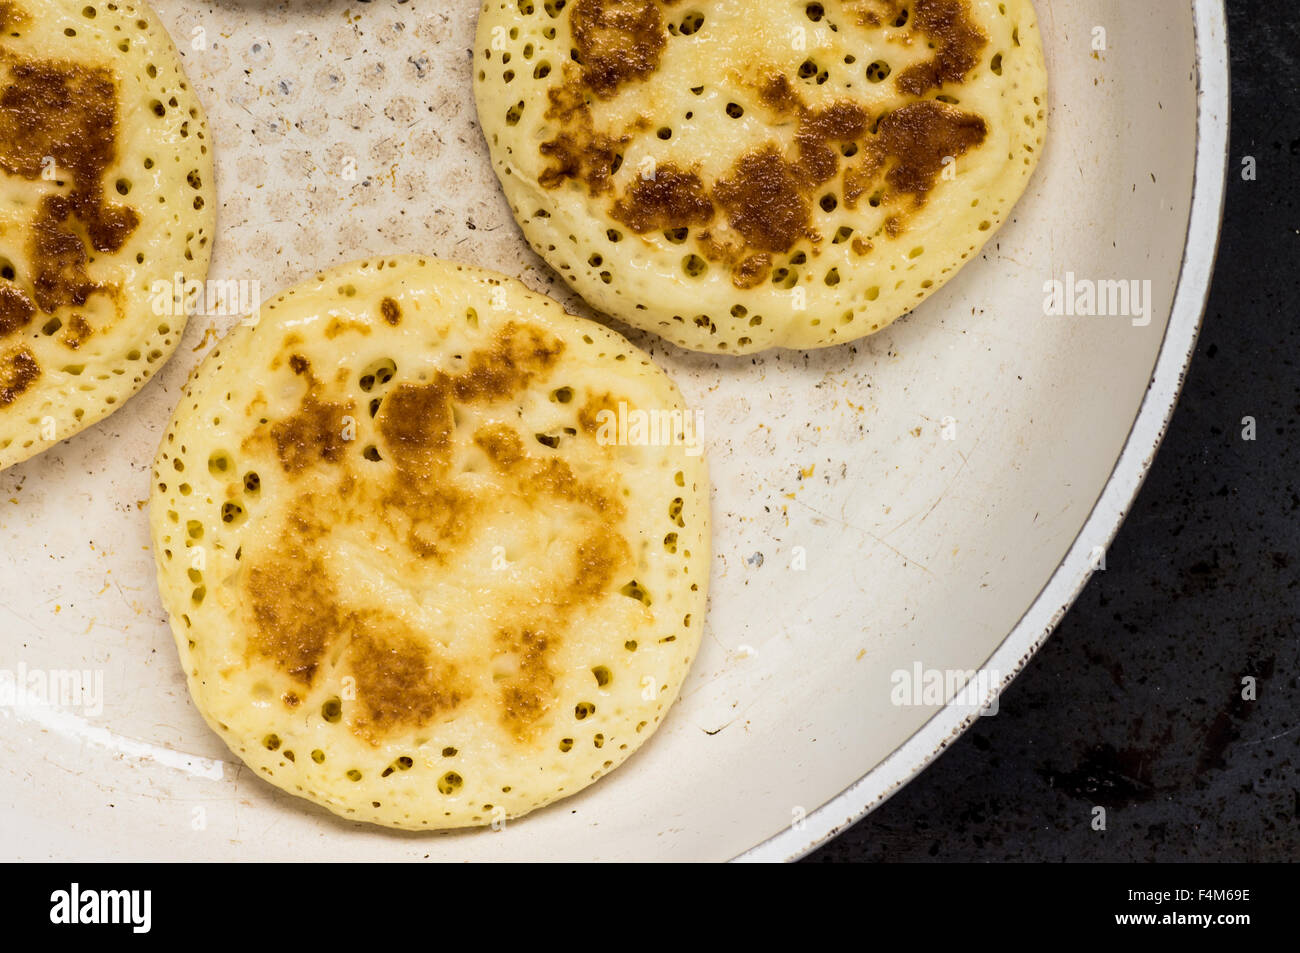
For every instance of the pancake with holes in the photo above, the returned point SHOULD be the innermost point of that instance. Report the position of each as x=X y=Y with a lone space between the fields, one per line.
x=106 y=209
x=735 y=175
x=435 y=552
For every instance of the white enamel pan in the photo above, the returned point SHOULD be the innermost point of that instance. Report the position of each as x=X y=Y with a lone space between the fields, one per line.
x=893 y=520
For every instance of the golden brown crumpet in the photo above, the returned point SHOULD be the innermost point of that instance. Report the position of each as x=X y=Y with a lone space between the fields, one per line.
x=105 y=191
x=435 y=552
x=736 y=175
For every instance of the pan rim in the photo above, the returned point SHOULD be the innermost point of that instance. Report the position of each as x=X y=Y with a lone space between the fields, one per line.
x=1038 y=622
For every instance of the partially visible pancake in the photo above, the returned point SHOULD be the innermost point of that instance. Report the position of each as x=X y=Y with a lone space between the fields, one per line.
x=105 y=190
x=421 y=565
x=736 y=175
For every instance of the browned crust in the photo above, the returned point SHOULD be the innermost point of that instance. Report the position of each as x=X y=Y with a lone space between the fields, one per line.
x=766 y=197
x=300 y=618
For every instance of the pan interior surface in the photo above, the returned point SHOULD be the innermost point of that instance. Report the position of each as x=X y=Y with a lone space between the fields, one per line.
x=891 y=506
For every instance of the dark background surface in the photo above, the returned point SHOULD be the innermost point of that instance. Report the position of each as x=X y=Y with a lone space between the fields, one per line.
x=1135 y=704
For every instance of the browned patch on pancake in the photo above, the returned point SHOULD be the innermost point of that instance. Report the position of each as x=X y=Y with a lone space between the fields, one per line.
x=78 y=331
x=767 y=196
x=598 y=559
x=910 y=147
x=416 y=422
x=957 y=43
x=517 y=356
x=11 y=16
x=314 y=432
x=670 y=198
x=538 y=478
x=422 y=501
x=400 y=682
x=526 y=693
x=18 y=370
x=580 y=154
x=302 y=618
x=922 y=135
x=589 y=414
x=600 y=555
x=751 y=271
x=779 y=95
x=391 y=311
x=839 y=122
x=861 y=178
x=299 y=618
x=578 y=151
x=338 y=326
x=767 y=199
x=554 y=478
x=295 y=606
x=618 y=41
x=435 y=518
x=874 y=13
x=764 y=202
x=502 y=445
x=16 y=309
x=67 y=112
x=59 y=258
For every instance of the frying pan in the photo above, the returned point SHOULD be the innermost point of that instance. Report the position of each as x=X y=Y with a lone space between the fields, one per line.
x=899 y=523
